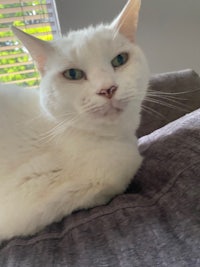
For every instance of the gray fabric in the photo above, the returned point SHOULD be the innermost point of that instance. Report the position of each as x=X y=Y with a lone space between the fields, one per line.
x=184 y=97
x=156 y=223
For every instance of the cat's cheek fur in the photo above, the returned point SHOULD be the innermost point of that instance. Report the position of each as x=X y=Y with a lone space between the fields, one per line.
x=55 y=97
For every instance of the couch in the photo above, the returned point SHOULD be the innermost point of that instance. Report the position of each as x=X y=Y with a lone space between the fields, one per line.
x=156 y=222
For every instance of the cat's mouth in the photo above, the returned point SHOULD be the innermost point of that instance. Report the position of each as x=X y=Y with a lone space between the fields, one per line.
x=111 y=109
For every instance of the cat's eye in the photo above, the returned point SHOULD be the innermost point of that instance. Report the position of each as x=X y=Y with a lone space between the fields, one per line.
x=119 y=60
x=74 y=74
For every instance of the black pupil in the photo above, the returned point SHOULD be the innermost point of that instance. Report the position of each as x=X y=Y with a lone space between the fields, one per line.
x=72 y=73
x=120 y=59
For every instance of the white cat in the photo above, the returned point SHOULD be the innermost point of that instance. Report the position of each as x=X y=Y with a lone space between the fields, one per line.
x=71 y=144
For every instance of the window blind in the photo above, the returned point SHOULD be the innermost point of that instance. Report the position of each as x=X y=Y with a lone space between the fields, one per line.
x=38 y=18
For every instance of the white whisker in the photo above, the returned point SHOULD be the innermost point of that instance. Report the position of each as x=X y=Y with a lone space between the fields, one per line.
x=174 y=93
x=152 y=112
x=60 y=127
x=178 y=106
x=170 y=100
x=93 y=108
x=166 y=96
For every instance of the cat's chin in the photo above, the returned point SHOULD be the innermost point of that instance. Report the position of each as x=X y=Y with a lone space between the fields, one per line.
x=110 y=111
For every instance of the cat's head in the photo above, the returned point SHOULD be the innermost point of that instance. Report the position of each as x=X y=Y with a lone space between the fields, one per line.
x=93 y=78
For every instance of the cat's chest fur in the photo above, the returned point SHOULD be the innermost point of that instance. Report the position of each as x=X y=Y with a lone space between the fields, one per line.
x=74 y=159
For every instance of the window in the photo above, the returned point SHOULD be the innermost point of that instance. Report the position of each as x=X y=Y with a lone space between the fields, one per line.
x=38 y=18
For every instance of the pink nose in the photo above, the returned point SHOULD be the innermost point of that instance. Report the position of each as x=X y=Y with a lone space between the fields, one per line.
x=108 y=93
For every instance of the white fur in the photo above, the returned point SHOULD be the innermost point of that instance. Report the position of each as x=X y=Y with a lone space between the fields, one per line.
x=62 y=147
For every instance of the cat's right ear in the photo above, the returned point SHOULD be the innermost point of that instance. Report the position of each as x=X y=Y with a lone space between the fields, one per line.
x=37 y=48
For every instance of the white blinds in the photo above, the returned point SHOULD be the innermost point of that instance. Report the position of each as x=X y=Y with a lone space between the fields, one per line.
x=35 y=17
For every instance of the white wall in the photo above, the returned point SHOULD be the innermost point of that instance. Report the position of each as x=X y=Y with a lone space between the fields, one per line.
x=169 y=30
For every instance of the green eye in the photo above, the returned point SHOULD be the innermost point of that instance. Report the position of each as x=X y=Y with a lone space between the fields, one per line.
x=74 y=74
x=119 y=60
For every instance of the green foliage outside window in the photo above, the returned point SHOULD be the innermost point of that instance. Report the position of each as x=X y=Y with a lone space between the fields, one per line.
x=25 y=74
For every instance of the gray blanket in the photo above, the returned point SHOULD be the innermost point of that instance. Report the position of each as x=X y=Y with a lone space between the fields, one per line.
x=155 y=223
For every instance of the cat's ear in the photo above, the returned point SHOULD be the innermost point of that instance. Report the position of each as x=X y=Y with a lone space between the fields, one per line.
x=37 y=48
x=126 y=22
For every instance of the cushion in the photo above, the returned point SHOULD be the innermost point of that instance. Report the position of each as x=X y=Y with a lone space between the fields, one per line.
x=155 y=223
x=177 y=93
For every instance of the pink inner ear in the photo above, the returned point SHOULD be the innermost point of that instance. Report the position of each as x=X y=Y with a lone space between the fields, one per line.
x=38 y=49
x=40 y=63
x=127 y=21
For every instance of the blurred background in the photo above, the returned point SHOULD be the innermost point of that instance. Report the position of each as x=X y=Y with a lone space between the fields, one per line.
x=169 y=30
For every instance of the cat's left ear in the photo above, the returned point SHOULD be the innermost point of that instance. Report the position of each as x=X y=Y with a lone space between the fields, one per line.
x=37 y=48
x=126 y=22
